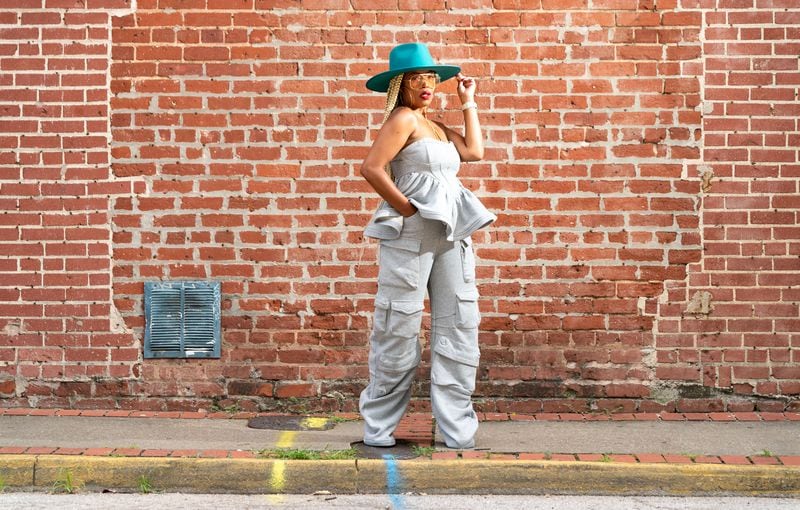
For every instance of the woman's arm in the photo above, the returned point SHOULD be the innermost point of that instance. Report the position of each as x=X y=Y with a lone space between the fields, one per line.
x=390 y=140
x=469 y=146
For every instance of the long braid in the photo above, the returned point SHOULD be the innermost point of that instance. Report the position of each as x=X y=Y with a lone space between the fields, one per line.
x=392 y=96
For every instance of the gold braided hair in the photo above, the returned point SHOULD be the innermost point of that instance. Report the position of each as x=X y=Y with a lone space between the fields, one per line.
x=392 y=97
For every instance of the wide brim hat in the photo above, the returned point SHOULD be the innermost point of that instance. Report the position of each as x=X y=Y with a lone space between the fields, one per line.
x=410 y=57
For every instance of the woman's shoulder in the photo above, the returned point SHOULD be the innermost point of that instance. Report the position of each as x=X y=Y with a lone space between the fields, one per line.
x=402 y=114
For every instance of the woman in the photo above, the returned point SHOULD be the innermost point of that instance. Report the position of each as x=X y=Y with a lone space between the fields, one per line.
x=424 y=226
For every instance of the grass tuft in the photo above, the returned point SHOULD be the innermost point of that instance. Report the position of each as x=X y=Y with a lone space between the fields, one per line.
x=145 y=485
x=66 y=482
x=305 y=454
x=423 y=451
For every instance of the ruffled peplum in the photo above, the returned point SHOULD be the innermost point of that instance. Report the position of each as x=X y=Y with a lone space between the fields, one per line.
x=425 y=172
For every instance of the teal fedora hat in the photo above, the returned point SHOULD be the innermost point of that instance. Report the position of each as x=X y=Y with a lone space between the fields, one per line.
x=410 y=57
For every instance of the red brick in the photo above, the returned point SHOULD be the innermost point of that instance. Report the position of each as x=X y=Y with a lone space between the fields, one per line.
x=40 y=450
x=531 y=456
x=97 y=452
x=562 y=457
x=702 y=459
x=738 y=460
x=502 y=456
x=16 y=411
x=42 y=412
x=650 y=458
x=764 y=461
x=12 y=450
x=521 y=417
x=128 y=452
x=622 y=458
x=193 y=415
x=468 y=454
x=117 y=414
x=216 y=454
x=94 y=412
x=155 y=453
x=184 y=453
x=622 y=417
x=721 y=416
x=68 y=412
x=240 y=454
x=495 y=417
x=69 y=451
x=677 y=459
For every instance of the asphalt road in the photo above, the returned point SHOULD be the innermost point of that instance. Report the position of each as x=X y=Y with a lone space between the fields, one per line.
x=42 y=501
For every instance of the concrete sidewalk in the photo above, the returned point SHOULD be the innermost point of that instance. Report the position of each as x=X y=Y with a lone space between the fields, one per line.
x=745 y=453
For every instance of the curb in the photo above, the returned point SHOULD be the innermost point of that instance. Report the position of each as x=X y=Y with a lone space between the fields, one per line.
x=634 y=458
x=365 y=476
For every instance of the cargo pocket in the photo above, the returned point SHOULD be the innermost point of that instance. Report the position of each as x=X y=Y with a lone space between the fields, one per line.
x=467 y=260
x=405 y=318
x=401 y=362
x=455 y=368
x=393 y=368
x=467 y=314
x=399 y=263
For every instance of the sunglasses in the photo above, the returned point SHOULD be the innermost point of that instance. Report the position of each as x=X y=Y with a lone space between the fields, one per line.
x=418 y=81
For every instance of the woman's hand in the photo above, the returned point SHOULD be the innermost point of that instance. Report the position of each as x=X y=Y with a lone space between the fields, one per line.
x=466 y=88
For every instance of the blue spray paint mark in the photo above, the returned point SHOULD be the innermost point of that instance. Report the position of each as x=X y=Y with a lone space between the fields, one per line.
x=394 y=483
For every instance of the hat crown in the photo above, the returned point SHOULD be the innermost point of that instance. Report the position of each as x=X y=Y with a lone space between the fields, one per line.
x=410 y=55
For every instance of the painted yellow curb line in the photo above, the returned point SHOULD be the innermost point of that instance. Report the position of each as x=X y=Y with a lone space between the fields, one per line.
x=480 y=476
x=552 y=477
x=257 y=476
x=17 y=470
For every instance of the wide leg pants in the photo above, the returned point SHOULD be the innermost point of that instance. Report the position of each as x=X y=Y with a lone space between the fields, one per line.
x=422 y=258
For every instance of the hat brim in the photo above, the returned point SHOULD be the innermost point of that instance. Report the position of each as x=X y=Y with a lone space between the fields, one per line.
x=380 y=82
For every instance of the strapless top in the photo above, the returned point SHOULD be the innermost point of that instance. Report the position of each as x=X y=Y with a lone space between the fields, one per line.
x=425 y=172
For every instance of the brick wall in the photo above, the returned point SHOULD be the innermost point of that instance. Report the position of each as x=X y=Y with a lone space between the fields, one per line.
x=58 y=332
x=733 y=325
x=236 y=133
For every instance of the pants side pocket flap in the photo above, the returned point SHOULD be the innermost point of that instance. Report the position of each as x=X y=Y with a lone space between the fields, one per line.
x=449 y=351
x=407 y=307
x=398 y=363
x=468 y=295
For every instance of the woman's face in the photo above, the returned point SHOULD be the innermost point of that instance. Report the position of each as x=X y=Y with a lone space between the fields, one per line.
x=417 y=88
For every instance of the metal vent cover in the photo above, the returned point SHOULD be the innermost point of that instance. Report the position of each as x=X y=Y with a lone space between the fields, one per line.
x=182 y=319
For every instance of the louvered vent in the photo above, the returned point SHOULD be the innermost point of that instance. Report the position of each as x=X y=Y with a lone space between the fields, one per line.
x=182 y=319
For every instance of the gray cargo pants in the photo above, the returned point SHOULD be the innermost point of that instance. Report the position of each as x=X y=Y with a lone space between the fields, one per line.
x=423 y=258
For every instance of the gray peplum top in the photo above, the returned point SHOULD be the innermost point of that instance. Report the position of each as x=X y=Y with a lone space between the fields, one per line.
x=425 y=172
